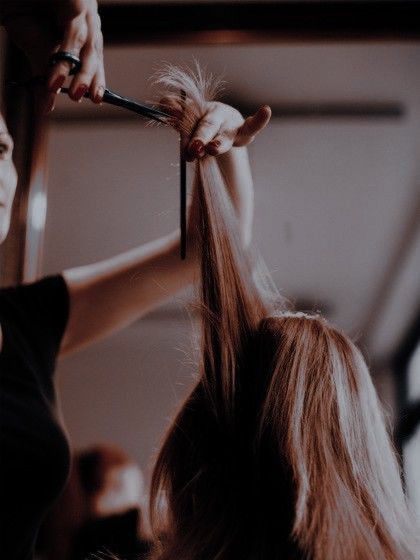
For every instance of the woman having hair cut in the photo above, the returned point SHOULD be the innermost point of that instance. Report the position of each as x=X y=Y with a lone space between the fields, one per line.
x=280 y=451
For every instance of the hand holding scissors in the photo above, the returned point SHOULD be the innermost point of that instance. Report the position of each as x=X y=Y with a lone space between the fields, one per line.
x=44 y=27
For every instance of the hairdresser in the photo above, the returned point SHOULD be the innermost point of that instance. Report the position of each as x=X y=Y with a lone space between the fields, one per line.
x=62 y=313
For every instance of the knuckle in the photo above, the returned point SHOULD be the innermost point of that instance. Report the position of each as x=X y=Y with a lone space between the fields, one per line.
x=99 y=48
x=78 y=34
x=89 y=46
x=79 y=41
x=228 y=134
x=213 y=106
x=99 y=39
x=84 y=78
x=207 y=121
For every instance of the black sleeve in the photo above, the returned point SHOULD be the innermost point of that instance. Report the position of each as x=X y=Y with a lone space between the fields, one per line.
x=41 y=311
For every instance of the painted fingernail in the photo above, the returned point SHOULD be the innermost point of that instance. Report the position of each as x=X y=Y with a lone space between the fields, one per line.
x=213 y=147
x=214 y=144
x=56 y=85
x=99 y=94
x=80 y=92
x=49 y=106
x=197 y=148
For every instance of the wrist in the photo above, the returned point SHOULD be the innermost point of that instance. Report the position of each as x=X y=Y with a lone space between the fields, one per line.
x=173 y=254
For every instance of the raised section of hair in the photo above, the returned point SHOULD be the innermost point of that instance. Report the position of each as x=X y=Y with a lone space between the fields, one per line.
x=284 y=417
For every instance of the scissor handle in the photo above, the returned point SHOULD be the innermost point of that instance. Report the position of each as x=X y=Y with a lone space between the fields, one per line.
x=118 y=100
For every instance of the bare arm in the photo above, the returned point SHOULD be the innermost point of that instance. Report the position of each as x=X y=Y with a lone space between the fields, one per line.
x=109 y=295
x=236 y=170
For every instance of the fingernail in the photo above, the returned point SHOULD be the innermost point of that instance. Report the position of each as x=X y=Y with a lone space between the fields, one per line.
x=212 y=147
x=49 y=106
x=80 y=92
x=99 y=95
x=56 y=85
x=197 y=148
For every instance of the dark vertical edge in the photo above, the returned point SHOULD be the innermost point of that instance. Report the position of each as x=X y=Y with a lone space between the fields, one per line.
x=19 y=116
x=183 y=203
x=183 y=193
x=400 y=367
x=21 y=251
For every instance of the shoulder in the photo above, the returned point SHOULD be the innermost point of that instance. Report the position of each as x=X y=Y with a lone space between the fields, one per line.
x=44 y=297
x=39 y=310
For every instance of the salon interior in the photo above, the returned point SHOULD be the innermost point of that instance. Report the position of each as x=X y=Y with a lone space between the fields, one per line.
x=337 y=205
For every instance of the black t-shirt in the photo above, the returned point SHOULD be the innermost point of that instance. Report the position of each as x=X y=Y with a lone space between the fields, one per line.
x=111 y=536
x=34 y=452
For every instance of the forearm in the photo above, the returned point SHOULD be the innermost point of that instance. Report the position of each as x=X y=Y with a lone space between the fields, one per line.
x=236 y=170
x=111 y=294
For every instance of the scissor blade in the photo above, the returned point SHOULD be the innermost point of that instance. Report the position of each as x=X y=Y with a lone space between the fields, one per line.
x=132 y=105
x=117 y=100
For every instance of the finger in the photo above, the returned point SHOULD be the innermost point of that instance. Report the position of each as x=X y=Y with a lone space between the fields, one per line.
x=74 y=39
x=252 y=126
x=206 y=130
x=91 y=58
x=44 y=101
x=97 y=89
x=220 y=144
x=48 y=103
x=83 y=79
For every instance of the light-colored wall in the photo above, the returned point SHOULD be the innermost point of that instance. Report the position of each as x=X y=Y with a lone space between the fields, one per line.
x=332 y=198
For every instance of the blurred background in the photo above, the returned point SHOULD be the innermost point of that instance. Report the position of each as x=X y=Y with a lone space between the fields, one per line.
x=337 y=207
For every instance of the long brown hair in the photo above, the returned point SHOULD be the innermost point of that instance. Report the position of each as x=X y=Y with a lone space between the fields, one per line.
x=280 y=450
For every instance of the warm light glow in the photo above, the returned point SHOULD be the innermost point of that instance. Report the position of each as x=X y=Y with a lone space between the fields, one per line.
x=414 y=376
x=224 y=36
x=38 y=211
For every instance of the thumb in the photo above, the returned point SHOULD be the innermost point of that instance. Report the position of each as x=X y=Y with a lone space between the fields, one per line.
x=253 y=125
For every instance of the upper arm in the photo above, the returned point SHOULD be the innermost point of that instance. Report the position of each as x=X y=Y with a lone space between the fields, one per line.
x=109 y=295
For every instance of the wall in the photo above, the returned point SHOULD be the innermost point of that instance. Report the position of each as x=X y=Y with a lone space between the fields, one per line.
x=332 y=198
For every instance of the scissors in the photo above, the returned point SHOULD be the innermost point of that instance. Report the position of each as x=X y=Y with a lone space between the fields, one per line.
x=113 y=98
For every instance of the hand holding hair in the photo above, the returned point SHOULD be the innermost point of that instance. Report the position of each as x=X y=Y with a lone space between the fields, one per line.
x=220 y=128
